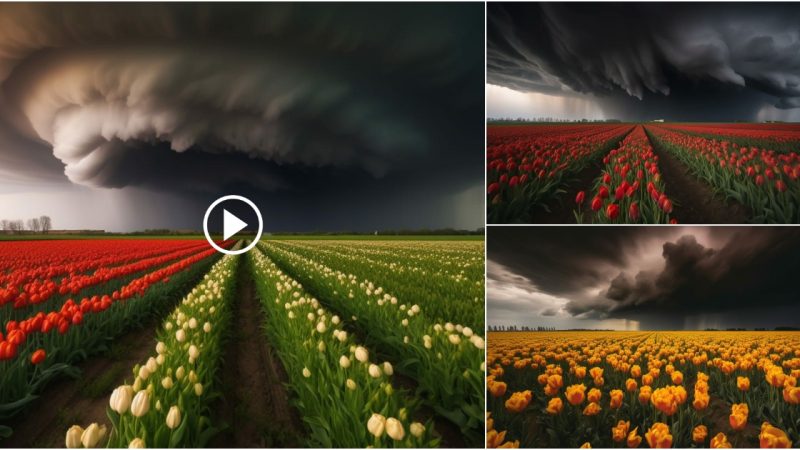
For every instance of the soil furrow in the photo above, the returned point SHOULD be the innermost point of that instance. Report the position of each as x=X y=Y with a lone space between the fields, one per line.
x=255 y=403
x=693 y=199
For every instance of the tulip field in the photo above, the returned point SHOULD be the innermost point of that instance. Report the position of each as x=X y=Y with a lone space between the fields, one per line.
x=717 y=389
x=345 y=318
x=612 y=173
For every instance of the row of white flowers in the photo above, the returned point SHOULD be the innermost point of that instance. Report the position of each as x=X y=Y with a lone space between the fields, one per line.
x=446 y=359
x=344 y=395
x=167 y=403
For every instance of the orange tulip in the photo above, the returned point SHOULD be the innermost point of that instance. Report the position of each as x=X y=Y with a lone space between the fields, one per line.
x=772 y=437
x=586 y=445
x=738 y=417
x=634 y=440
x=596 y=372
x=644 y=394
x=555 y=406
x=498 y=388
x=495 y=440
x=616 y=398
x=677 y=377
x=658 y=436
x=630 y=385
x=720 y=441
x=542 y=379
x=699 y=434
x=775 y=376
x=620 y=431
x=647 y=379
x=594 y=395
x=592 y=409
x=580 y=372
x=576 y=394
x=518 y=401
x=743 y=383
x=791 y=395
x=700 y=400
x=555 y=382
x=636 y=371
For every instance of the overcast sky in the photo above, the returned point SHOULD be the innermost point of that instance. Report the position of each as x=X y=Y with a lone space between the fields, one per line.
x=637 y=61
x=330 y=117
x=643 y=277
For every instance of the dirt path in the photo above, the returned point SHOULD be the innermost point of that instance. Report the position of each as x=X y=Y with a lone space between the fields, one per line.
x=694 y=199
x=255 y=402
x=561 y=208
x=68 y=402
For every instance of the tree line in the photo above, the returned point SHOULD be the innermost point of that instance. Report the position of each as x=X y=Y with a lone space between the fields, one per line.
x=41 y=224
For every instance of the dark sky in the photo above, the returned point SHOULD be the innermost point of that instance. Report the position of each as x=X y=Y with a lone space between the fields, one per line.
x=329 y=116
x=640 y=61
x=643 y=277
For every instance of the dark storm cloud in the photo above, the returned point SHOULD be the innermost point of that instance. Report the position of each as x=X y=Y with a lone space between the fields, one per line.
x=648 y=51
x=660 y=276
x=282 y=98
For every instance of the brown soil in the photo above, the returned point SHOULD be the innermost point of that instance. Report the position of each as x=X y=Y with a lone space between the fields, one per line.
x=255 y=402
x=68 y=402
x=693 y=199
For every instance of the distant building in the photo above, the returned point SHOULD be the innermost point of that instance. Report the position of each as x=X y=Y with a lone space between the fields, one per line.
x=658 y=120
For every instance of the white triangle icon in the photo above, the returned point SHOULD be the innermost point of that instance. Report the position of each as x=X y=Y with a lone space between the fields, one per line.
x=231 y=224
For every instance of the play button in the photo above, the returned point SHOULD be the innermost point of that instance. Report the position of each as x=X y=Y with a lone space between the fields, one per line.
x=232 y=223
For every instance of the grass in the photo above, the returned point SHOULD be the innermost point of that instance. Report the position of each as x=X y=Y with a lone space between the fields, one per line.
x=371 y=237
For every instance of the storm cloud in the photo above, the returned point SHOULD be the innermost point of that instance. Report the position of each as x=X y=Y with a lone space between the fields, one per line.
x=275 y=99
x=641 y=60
x=661 y=277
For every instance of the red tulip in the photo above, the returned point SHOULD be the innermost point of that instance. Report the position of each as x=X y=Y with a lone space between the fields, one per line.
x=603 y=192
x=673 y=221
x=514 y=181
x=612 y=211
x=666 y=205
x=580 y=197
x=597 y=203
x=494 y=187
x=780 y=186
x=633 y=211
x=759 y=180
x=38 y=356
x=606 y=178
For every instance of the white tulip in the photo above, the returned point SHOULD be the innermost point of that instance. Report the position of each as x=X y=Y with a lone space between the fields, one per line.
x=321 y=346
x=152 y=364
x=306 y=372
x=193 y=352
x=362 y=354
x=193 y=323
x=121 y=399
x=376 y=425
x=180 y=373
x=92 y=435
x=417 y=429
x=335 y=320
x=344 y=361
x=167 y=383
x=477 y=341
x=140 y=404
x=160 y=359
x=173 y=418
x=374 y=371
x=321 y=327
x=394 y=428
x=180 y=335
x=467 y=331
x=144 y=373
x=350 y=384
x=404 y=322
x=137 y=443
x=207 y=327
x=387 y=368
x=198 y=389
x=74 y=436
x=454 y=339
x=161 y=348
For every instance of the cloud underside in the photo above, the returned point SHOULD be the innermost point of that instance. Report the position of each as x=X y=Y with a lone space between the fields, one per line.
x=655 y=276
x=646 y=51
x=267 y=95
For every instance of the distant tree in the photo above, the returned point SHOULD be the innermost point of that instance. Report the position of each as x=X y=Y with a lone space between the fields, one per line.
x=45 y=223
x=34 y=225
x=5 y=225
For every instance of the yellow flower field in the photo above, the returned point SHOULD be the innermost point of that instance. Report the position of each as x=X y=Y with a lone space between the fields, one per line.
x=717 y=389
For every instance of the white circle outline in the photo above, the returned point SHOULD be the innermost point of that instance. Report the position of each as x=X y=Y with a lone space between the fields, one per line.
x=241 y=250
